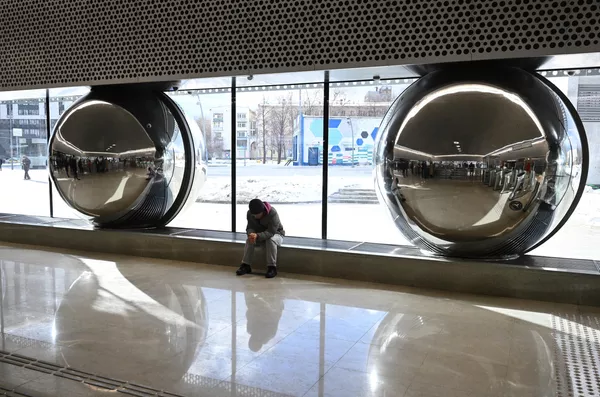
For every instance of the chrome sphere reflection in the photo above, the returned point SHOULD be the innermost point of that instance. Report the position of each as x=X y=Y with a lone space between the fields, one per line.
x=138 y=321
x=127 y=157
x=403 y=343
x=480 y=163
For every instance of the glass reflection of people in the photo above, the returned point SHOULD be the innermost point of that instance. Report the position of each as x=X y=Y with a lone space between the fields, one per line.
x=26 y=164
x=404 y=168
x=396 y=186
x=73 y=166
x=396 y=189
x=262 y=316
x=264 y=229
x=151 y=173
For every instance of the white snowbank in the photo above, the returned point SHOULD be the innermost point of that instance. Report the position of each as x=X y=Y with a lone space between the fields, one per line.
x=276 y=189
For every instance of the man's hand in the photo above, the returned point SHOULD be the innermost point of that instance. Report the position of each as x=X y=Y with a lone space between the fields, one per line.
x=252 y=237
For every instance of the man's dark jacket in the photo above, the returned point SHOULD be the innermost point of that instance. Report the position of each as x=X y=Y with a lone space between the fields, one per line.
x=266 y=227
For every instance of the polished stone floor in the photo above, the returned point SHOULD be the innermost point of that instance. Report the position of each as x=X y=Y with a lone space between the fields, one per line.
x=83 y=324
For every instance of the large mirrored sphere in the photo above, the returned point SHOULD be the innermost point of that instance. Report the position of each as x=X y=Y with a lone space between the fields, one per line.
x=127 y=158
x=480 y=163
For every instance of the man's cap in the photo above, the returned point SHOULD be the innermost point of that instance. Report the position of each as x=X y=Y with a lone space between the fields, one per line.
x=256 y=207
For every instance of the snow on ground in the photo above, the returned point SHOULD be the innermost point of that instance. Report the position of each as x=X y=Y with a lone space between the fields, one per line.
x=371 y=223
x=24 y=197
x=353 y=222
x=277 y=189
x=350 y=222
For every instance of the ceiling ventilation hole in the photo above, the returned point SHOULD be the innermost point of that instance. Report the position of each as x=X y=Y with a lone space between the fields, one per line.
x=107 y=41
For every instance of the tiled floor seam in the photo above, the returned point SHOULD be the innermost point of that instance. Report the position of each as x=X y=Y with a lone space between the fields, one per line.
x=266 y=350
x=339 y=359
x=424 y=359
x=284 y=338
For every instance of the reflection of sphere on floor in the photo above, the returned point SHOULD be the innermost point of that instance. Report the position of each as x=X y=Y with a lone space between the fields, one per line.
x=480 y=163
x=127 y=157
x=159 y=325
x=434 y=344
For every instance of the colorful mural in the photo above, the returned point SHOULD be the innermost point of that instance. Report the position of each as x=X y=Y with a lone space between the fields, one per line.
x=343 y=132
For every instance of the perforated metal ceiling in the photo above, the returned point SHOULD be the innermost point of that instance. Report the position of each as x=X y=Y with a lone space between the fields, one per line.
x=60 y=42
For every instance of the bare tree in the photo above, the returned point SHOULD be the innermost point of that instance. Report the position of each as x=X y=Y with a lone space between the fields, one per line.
x=264 y=112
x=276 y=120
x=338 y=102
x=312 y=104
x=214 y=144
x=279 y=122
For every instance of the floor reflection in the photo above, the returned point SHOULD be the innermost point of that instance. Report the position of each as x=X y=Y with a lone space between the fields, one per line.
x=263 y=315
x=197 y=330
x=102 y=309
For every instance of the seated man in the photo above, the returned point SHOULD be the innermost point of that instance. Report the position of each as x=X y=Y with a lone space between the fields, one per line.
x=264 y=229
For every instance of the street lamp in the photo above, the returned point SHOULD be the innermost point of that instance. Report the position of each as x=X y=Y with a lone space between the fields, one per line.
x=352 y=130
x=10 y=119
x=199 y=103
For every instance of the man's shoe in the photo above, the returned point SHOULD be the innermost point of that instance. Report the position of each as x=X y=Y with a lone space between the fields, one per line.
x=271 y=272
x=244 y=269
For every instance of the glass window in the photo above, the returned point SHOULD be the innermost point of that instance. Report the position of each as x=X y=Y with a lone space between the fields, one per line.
x=212 y=113
x=355 y=113
x=29 y=108
x=61 y=99
x=579 y=237
x=265 y=167
x=217 y=124
x=279 y=148
x=23 y=153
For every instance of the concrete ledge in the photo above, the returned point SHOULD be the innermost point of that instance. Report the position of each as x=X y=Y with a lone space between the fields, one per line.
x=476 y=277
